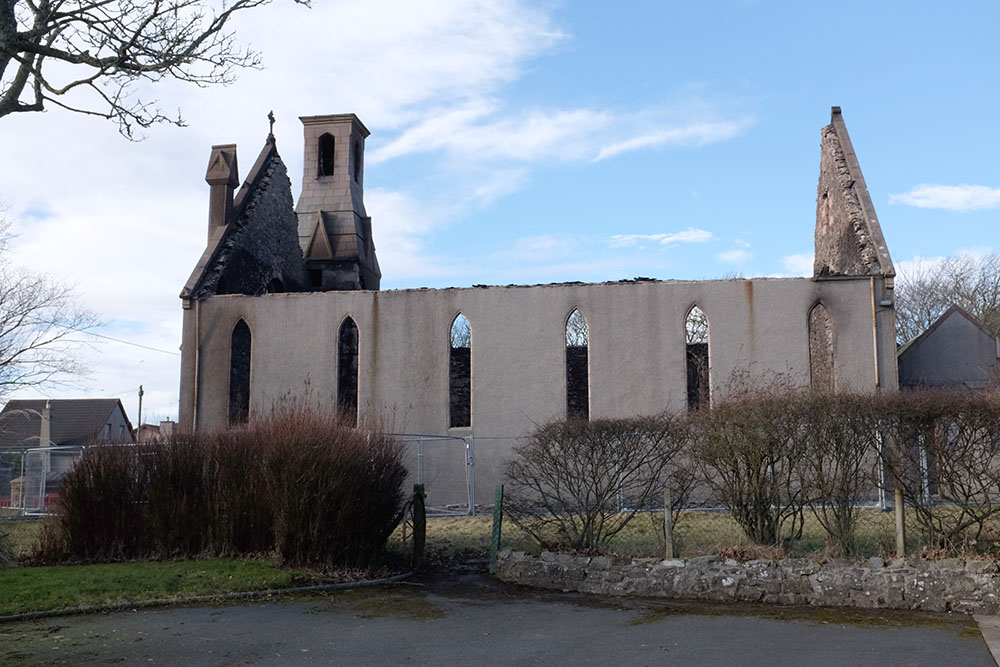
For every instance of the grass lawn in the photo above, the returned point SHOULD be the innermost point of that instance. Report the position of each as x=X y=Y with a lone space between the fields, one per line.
x=21 y=533
x=697 y=533
x=24 y=589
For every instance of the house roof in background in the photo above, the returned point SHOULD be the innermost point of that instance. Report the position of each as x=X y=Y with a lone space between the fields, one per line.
x=952 y=310
x=74 y=421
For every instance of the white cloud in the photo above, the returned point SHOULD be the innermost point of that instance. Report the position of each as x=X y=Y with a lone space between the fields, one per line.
x=734 y=256
x=800 y=264
x=950 y=197
x=689 y=235
x=695 y=134
x=475 y=132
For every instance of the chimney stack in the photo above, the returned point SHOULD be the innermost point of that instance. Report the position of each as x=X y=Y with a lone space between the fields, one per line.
x=223 y=177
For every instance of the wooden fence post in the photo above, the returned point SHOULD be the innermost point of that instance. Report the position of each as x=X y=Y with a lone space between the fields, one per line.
x=900 y=523
x=668 y=529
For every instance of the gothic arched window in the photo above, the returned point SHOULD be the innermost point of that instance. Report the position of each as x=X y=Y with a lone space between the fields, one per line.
x=699 y=393
x=347 y=370
x=577 y=366
x=460 y=373
x=239 y=374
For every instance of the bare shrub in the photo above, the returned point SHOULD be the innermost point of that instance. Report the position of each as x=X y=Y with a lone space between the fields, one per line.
x=174 y=496
x=946 y=461
x=241 y=517
x=579 y=482
x=337 y=491
x=101 y=512
x=748 y=448
x=309 y=488
x=839 y=435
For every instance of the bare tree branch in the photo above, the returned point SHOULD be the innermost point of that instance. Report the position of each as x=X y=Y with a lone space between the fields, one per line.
x=104 y=48
x=970 y=281
x=38 y=319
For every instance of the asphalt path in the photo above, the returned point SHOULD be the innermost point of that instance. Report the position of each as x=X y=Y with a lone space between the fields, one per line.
x=468 y=619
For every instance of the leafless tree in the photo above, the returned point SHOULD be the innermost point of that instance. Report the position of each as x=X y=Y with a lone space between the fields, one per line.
x=89 y=55
x=39 y=320
x=970 y=281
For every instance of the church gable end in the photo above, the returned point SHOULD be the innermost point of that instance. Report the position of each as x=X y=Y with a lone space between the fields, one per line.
x=255 y=247
x=849 y=239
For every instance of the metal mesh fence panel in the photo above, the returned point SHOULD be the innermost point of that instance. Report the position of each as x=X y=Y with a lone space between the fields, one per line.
x=442 y=464
x=43 y=471
x=10 y=470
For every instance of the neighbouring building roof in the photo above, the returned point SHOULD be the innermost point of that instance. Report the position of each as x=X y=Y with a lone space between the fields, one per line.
x=956 y=351
x=74 y=421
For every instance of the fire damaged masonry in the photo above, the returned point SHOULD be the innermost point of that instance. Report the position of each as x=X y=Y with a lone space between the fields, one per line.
x=849 y=239
x=969 y=586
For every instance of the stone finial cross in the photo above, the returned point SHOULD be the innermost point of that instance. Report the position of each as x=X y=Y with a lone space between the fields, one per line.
x=270 y=117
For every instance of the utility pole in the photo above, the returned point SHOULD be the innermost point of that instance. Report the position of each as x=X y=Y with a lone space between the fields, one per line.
x=139 y=424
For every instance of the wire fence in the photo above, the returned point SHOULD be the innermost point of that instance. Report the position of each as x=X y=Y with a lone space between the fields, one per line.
x=460 y=474
x=30 y=482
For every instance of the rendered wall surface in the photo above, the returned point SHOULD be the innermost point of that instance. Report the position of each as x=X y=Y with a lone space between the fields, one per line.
x=636 y=349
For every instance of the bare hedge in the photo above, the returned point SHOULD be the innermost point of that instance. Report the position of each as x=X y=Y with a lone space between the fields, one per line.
x=769 y=455
x=945 y=454
x=304 y=487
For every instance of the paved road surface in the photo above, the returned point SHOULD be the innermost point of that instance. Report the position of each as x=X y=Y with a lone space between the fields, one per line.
x=478 y=622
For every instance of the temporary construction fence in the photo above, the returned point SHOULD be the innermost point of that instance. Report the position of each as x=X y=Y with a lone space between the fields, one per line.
x=35 y=477
x=459 y=474
x=30 y=481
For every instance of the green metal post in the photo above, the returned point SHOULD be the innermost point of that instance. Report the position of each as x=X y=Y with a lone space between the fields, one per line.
x=497 y=528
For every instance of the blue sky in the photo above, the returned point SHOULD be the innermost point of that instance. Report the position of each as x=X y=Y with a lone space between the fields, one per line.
x=533 y=142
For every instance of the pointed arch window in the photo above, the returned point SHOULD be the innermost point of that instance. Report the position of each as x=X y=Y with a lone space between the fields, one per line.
x=697 y=358
x=821 y=369
x=325 y=150
x=347 y=370
x=460 y=373
x=239 y=374
x=577 y=366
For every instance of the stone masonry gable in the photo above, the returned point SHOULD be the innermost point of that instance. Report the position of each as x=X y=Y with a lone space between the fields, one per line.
x=258 y=250
x=849 y=240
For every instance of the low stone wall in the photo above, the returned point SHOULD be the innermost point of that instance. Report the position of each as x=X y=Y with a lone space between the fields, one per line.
x=953 y=584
